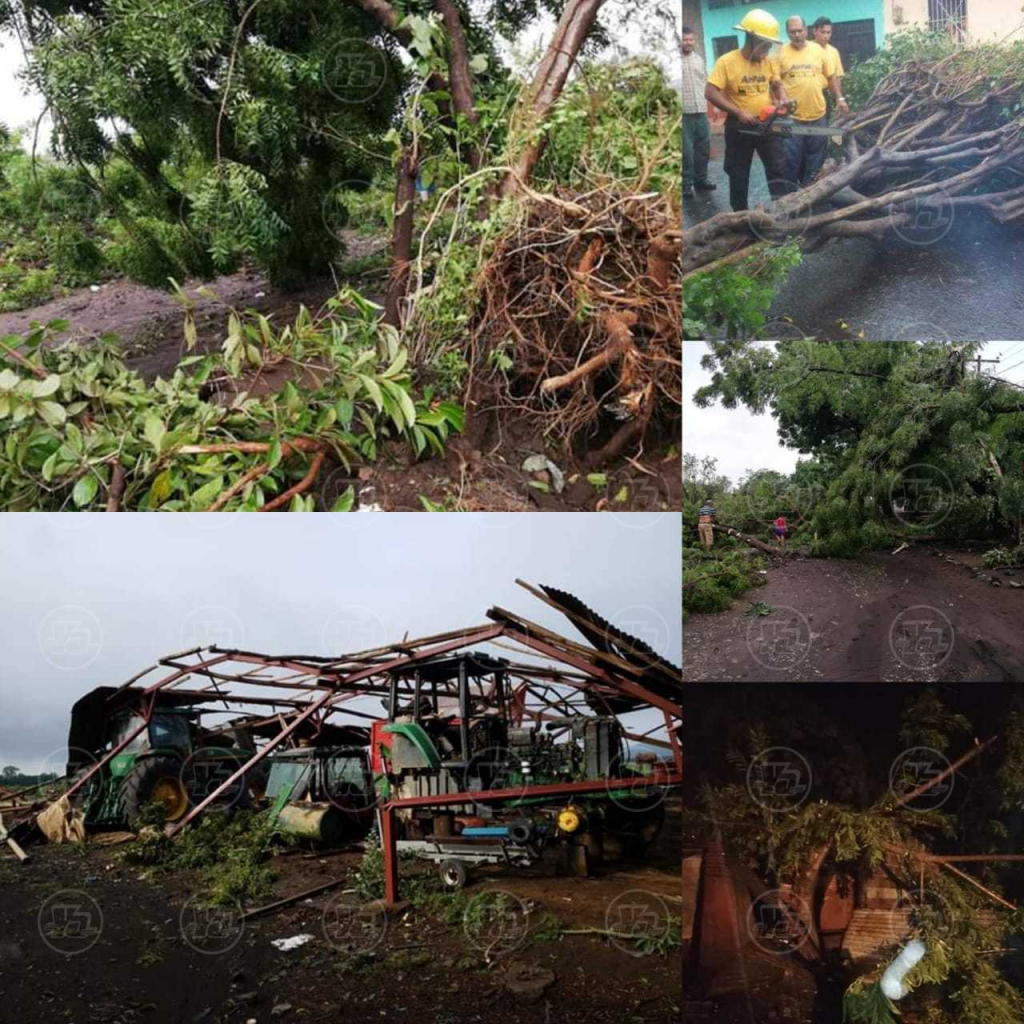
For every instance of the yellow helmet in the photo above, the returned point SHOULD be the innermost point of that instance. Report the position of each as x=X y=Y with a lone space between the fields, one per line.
x=760 y=24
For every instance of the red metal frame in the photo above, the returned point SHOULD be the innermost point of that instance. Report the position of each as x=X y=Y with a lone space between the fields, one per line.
x=324 y=684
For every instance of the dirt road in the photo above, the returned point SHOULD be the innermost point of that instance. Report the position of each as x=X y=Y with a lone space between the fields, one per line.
x=84 y=938
x=881 y=618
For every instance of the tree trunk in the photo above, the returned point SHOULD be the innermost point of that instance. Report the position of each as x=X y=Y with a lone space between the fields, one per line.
x=460 y=76
x=401 y=236
x=546 y=88
x=753 y=541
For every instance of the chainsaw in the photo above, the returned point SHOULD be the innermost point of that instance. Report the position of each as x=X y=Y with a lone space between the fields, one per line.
x=778 y=120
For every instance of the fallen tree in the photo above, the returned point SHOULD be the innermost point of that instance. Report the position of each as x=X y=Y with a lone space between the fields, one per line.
x=752 y=541
x=933 y=138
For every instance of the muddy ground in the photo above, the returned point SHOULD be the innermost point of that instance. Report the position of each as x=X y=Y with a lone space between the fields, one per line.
x=141 y=969
x=909 y=617
x=483 y=474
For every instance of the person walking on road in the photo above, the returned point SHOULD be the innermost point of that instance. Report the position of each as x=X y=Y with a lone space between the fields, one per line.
x=705 y=519
x=780 y=531
x=742 y=83
x=805 y=69
x=696 y=130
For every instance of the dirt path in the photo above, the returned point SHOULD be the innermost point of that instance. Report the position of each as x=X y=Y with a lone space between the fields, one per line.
x=149 y=320
x=912 y=617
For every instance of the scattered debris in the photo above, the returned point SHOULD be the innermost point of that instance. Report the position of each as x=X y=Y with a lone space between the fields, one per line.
x=292 y=943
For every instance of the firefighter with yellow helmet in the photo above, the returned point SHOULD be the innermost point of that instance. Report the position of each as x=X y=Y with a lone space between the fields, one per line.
x=742 y=83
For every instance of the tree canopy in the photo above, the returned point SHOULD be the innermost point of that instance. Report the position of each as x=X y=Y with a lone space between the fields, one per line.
x=905 y=429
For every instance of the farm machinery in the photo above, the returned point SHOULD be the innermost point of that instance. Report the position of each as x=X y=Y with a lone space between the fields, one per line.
x=163 y=757
x=463 y=731
x=475 y=757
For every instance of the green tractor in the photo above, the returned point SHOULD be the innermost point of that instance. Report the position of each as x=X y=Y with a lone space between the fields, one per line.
x=170 y=763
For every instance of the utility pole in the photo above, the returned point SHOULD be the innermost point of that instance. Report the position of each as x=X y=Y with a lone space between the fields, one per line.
x=979 y=361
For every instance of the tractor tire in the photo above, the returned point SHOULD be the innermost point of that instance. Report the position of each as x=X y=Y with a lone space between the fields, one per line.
x=154 y=778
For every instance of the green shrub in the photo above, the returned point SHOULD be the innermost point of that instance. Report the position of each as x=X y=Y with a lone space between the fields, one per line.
x=710 y=585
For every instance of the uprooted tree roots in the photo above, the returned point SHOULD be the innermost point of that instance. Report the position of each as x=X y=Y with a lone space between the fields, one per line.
x=583 y=295
x=932 y=138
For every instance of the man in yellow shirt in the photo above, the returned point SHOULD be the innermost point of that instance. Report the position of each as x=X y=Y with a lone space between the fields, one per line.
x=822 y=29
x=742 y=83
x=804 y=67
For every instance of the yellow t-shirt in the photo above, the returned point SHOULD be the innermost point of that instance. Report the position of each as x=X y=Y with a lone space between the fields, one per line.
x=745 y=82
x=803 y=72
x=834 y=61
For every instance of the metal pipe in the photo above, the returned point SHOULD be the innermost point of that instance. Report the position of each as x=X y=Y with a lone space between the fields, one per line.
x=463 y=710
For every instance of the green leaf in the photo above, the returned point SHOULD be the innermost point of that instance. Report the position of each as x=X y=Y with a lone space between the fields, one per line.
x=85 y=490
x=597 y=480
x=346 y=502
x=622 y=495
x=373 y=390
x=160 y=490
x=540 y=485
x=479 y=63
x=346 y=410
x=154 y=431
x=275 y=453
x=207 y=494
x=52 y=412
x=45 y=388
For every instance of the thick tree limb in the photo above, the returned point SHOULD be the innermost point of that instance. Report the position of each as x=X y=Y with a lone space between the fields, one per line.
x=752 y=541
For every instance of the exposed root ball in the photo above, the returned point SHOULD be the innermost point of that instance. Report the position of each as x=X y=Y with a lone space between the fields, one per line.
x=584 y=295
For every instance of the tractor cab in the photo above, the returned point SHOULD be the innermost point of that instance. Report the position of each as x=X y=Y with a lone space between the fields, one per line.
x=163 y=761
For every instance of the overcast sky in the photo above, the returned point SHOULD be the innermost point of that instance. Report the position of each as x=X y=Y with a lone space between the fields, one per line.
x=89 y=600
x=743 y=442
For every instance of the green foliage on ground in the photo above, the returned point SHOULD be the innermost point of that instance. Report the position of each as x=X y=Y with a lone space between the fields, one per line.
x=734 y=300
x=1000 y=557
x=348 y=387
x=229 y=851
x=712 y=585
